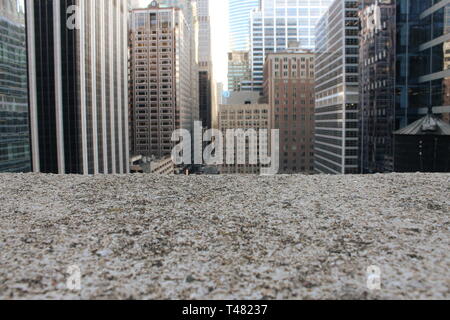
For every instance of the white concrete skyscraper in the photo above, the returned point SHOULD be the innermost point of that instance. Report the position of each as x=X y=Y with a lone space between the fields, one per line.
x=279 y=25
x=337 y=90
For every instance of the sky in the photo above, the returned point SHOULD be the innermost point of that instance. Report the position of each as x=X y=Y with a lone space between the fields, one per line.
x=219 y=37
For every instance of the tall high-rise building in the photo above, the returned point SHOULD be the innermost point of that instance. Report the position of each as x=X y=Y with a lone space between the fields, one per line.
x=239 y=62
x=205 y=64
x=190 y=12
x=204 y=41
x=14 y=118
x=196 y=13
x=162 y=99
x=377 y=85
x=289 y=90
x=239 y=23
x=404 y=72
x=239 y=71
x=337 y=89
x=78 y=85
x=422 y=51
x=279 y=25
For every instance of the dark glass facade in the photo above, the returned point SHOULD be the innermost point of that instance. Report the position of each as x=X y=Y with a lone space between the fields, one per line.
x=422 y=50
x=377 y=85
x=80 y=76
x=205 y=99
x=14 y=117
x=423 y=146
x=404 y=73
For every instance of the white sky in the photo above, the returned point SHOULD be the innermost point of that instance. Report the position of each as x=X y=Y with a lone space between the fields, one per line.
x=219 y=37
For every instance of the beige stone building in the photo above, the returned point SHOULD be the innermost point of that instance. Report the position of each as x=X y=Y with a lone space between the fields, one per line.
x=289 y=90
x=163 y=78
x=246 y=113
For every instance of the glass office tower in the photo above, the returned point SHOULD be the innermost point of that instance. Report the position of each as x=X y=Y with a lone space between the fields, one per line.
x=423 y=59
x=377 y=85
x=239 y=23
x=239 y=68
x=14 y=118
x=404 y=72
x=279 y=25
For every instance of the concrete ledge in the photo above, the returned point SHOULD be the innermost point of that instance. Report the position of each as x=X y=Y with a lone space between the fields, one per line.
x=225 y=237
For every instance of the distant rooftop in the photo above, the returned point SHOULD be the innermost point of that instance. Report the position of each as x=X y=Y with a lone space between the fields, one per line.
x=428 y=125
x=242 y=97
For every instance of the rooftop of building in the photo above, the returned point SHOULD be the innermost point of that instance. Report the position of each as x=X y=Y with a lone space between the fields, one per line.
x=242 y=97
x=225 y=237
x=158 y=6
x=428 y=125
x=291 y=51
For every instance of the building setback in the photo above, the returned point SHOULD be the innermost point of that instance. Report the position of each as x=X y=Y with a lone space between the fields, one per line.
x=14 y=117
x=162 y=99
x=78 y=85
x=289 y=89
x=337 y=90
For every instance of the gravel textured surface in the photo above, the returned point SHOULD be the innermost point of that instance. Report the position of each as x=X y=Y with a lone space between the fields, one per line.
x=225 y=237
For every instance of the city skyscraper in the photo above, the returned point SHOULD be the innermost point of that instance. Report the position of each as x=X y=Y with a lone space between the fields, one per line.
x=190 y=12
x=161 y=69
x=205 y=64
x=279 y=25
x=289 y=89
x=204 y=41
x=239 y=66
x=239 y=23
x=377 y=59
x=196 y=13
x=337 y=89
x=404 y=73
x=14 y=117
x=423 y=57
x=78 y=85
